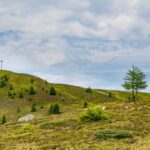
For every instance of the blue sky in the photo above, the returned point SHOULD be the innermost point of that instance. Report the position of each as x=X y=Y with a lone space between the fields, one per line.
x=81 y=42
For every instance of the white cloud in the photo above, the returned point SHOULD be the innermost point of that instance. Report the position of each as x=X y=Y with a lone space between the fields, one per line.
x=38 y=35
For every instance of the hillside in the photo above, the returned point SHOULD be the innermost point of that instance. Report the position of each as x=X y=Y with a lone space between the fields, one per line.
x=66 y=131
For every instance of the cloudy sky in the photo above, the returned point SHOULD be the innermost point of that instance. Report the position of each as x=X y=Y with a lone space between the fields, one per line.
x=81 y=42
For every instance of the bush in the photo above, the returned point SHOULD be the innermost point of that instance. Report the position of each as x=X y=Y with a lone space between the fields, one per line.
x=52 y=91
x=95 y=114
x=54 y=109
x=88 y=90
x=33 y=108
x=4 y=120
x=31 y=90
x=85 y=105
x=112 y=134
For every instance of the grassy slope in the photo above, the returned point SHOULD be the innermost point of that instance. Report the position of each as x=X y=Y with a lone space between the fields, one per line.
x=65 y=131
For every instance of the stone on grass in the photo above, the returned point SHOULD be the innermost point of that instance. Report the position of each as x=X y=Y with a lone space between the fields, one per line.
x=26 y=118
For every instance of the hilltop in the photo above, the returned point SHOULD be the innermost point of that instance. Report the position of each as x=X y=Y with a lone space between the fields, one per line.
x=66 y=131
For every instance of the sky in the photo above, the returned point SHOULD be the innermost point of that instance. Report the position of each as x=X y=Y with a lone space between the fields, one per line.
x=80 y=42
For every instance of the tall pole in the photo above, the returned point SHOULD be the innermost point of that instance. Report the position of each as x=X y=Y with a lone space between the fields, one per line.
x=1 y=64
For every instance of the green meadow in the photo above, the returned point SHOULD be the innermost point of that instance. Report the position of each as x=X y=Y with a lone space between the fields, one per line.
x=87 y=120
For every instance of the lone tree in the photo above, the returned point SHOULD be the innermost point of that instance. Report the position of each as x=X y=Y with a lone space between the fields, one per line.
x=134 y=81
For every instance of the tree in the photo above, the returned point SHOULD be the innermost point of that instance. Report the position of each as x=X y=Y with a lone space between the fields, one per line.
x=88 y=90
x=33 y=108
x=134 y=82
x=4 y=120
x=110 y=94
x=52 y=91
x=32 y=90
x=85 y=104
x=54 y=109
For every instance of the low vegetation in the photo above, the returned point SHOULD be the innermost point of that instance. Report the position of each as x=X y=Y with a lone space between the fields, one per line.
x=105 y=134
x=93 y=114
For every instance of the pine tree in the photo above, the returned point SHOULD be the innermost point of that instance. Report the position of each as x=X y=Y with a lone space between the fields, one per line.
x=31 y=90
x=4 y=120
x=51 y=109
x=88 y=90
x=110 y=94
x=85 y=105
x=33 y=108
x=52 y=91
x=54 y=109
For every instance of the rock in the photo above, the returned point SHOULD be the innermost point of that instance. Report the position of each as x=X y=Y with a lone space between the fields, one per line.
x=26 y=118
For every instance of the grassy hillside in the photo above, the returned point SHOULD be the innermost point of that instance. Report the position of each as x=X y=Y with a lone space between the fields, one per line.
x=66 y=131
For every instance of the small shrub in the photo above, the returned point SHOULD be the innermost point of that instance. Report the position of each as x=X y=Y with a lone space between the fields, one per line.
x=85 y=105
x=33 y=108
x=32 y=90
x=88 y=90
x=54 y=109
x=4 y=120
x=95 y=114
x=52 y=91
x=112 y=134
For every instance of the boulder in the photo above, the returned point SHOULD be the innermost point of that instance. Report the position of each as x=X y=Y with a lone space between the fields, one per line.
x=26 y=118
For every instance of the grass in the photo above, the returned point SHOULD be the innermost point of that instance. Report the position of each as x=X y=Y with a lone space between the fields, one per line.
x=65 y=131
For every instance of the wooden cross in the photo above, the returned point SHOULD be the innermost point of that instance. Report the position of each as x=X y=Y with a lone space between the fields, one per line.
x=1 y=64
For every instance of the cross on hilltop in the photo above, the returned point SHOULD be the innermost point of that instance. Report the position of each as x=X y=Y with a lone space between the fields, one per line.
x=1 y=64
